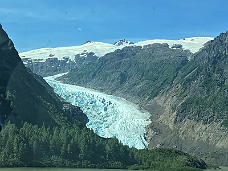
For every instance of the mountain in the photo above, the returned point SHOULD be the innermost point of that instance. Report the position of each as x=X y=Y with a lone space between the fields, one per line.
x=142 y=71
x=51 y=61
x=184 y=92
x=23 y=98
x=194 y=108
x=40 y=130
x=194 y=44
x=203 y=83
x=123 y=42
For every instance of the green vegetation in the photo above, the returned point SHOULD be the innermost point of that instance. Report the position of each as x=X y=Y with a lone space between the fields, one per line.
x=139 y=72
x=204 y=84
x=195 y=89
x=77 y=146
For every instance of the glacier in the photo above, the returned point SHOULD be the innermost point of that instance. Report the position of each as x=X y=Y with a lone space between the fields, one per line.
x=109 y=116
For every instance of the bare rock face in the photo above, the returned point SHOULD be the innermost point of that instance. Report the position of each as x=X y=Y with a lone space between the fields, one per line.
x=123 y=42
x=206 y=141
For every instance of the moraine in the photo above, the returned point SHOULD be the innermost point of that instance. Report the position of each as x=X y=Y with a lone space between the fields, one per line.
x=109 y=116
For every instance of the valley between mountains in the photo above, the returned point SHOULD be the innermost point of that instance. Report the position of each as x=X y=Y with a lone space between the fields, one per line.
x=160 y=96
x=182 y=84
x=38 y=128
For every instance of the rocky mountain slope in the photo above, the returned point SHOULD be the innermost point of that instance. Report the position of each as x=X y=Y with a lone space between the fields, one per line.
x=140 y=73
x=23 y=98
x=187 y=99
x=123 y=42
x=193 y=110
x=51 y=61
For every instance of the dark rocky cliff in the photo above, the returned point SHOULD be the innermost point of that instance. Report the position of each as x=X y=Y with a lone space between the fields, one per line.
x=23 y=98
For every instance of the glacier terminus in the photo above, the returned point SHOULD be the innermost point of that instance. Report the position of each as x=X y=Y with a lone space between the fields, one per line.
x=109 y=116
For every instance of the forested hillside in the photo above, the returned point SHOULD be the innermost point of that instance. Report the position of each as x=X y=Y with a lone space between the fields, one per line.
x=77 y=146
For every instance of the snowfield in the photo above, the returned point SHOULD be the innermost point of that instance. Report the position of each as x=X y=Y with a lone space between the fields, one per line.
x=194 y=44
x=109 y=116
x=100 y=48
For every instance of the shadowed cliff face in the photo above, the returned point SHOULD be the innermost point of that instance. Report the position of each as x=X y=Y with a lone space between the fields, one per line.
x=22 y=97
x=7 y=66
x=3 y=38
x=7 y=63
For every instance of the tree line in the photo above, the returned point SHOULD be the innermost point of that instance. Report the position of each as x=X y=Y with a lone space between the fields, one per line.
x=34 y=146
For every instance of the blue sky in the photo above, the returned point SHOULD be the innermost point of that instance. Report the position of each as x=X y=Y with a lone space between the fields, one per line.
x=33 y=24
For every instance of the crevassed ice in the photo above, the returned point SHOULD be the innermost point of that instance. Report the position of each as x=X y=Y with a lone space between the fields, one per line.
x=109 y=116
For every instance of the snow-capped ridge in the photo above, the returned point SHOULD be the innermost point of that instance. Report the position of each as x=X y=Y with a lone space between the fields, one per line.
x=194 y=44
x=123 y=42
x=100 y=48
x=87 y=42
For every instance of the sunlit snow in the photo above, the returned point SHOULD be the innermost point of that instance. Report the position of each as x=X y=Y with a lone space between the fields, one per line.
x=109 y=116
x=100 y=48
x=194 y=44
